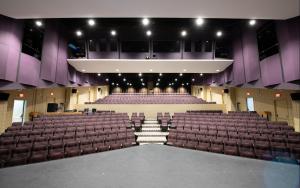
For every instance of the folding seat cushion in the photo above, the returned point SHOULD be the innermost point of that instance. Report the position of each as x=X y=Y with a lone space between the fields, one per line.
x=69 y=137
x=293 y=142
x=116 y=145
x=56 y=150
x=262 y=150
x=41 y=140
x=101 y=146
x=216 y=146
x=25 y=142
x=204 y=144
x=8 y=143
x=230 y=147
x=72 y=149
x=14 y=161
x=191 y=144
x=20 y=152
x=39 y=154
x=279 y=149
x=4 y=155
x=246 y=149
x=86 y=147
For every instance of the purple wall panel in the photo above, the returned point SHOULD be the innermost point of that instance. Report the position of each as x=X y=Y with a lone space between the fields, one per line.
x=289 y=41
x=197 y=55
x=238 y=64
x=49 y=53
x=10 y=40
x=271 y=70
x=250 y=54
x=228 y=74
x=29 y=70
x=62 y=64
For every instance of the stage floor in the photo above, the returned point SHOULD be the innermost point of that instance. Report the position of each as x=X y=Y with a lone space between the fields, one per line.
x=152 y=166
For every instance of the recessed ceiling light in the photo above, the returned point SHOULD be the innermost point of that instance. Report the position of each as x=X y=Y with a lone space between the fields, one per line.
x=157 y=84
x=117 y=84
x=145 y=21
x=127 y=83
x=113 y=84
x=99 y=74
x=91 y=22
x=252 y=22
x=219 y=33
x=183 y=33
x=39 y=23
x=175 y=79
x=187 y=84
x=150 y=70
x=83 y=70
x=218 y=70
x=140 y=74
x=199 y=21
x=158 y=80
x=182 y=84
x=124 y=79
x=113 y=32
x=130 y=84
x=143 y=84
x=119 y=74
x=142 y=79
x=107 y=79
x=117 y=70
x=193 y=80
x=148 y=33
x=169 y=84
x=78 y=33
x=180 y=74
x=201 y=74
x=184 y=70
x=160 y=74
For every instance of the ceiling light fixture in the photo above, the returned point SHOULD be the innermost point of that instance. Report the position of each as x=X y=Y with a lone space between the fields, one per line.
x=219 y=33
x=78 y=33
x=39 y=23
x=150 y=70
x=201 y=74
x=252 y=22
x=140 y=74
x=183 y=33
x=107 y=79
x=83 y=70
x=99 y=74
x=113 y=32
x=217 y=70
x=145 y=21
x=91 y=22
x=180 y=74
x=199 y=21
x=160 y=74
x=148 y=33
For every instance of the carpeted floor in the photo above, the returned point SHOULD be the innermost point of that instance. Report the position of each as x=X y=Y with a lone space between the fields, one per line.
x=152 y=166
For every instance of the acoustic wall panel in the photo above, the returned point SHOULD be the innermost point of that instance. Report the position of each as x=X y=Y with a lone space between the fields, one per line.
x=238 y=64
x=29 y=70
x=62 y=64
x=49 y=52
x=289 y=42
x=271 y=70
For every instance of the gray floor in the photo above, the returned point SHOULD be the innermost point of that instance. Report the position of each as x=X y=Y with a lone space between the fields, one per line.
x=152 y=166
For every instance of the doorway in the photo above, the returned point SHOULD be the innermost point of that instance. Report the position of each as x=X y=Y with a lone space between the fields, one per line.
x=250 y=104
x=281 y=110
x=19 y=111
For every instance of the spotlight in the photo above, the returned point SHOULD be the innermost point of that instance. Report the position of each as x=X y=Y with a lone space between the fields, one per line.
x=142 y=79
x=219 y=33
x=183 y=33
x=117 y=70
x=38 y=23
x=107 y=79
x=148 y=33
x=113 y=33
x=119 y=74
x=99 y=74
x=158 y=80
x=157 y=84
x=252 y=22
x=145 y=21
x=187 y=84
x=140 y=74
x=184 y=70
x=160 y=74
x=78 y=33
x=199 y=21
x=201 y=74
x=150 y=70
x=143 y=84
x=124 y=79
x=113 y=83
x=175 y=79
x=83 y=70
x=217 y=70
x=130 y=84
x=51 y=93
x=180 y=74
x=91 y=22
x=117 y=84
x=193 y=80
x=127 y=83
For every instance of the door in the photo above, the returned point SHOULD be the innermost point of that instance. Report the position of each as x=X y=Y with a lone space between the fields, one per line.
x=19 y=110
x=250 y=104
x=281 y=110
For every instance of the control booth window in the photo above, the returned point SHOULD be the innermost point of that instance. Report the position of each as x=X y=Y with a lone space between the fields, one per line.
x=33 y=36
x=166 y=46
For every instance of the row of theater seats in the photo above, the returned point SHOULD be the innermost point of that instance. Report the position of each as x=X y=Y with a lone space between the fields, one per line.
x=164 y=120
x=151 y=99
x=138 y=120
x=240 y=134
x=59 y=136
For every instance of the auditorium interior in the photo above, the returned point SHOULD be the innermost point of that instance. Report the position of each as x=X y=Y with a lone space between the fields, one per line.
x=150 y=94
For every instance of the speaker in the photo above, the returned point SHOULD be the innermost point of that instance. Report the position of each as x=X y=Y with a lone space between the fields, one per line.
x=295 y=96
x=201 y=89
x=74 y=90
x=4 y=96
x=226 y=90
x=52 y=107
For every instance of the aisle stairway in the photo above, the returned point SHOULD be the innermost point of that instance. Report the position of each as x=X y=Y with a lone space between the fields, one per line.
x=151 y=133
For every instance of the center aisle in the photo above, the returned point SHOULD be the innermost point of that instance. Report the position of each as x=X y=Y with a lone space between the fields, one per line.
x=151 y=133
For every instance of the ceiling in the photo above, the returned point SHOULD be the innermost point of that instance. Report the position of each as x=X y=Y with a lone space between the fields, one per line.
x=244 y=9
x=150 y=65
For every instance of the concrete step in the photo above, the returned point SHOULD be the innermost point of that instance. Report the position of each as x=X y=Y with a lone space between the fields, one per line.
x=151 y=134
x=154 y=139
x=152 y=129
x=150 y=121
x=151 y=125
